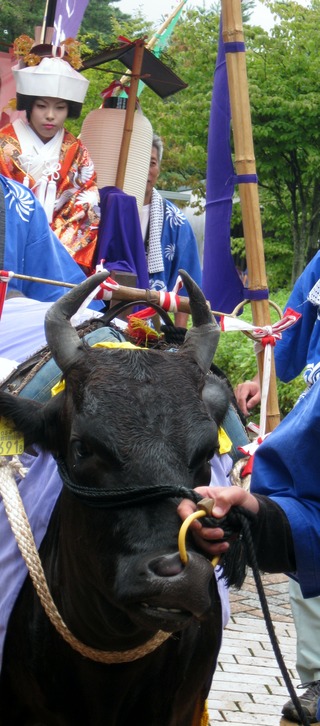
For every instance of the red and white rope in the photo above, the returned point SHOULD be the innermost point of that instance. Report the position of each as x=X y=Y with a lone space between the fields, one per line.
x=265 y=338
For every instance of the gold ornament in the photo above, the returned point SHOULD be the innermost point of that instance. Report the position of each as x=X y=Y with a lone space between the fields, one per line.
x=22 y=46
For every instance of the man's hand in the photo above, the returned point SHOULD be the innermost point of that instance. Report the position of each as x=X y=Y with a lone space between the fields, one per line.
x=248 y=395
x=224 y=498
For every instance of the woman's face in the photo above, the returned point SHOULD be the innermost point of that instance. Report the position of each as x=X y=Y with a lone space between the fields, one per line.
x=48 y=116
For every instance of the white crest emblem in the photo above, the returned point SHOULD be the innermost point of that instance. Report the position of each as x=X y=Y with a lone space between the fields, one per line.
x=21 y=199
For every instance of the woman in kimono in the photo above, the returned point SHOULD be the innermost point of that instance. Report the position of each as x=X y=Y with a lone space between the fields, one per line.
x=41 y=154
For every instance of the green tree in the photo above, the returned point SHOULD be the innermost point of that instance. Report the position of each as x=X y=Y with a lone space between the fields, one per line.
x=97 y=27
x=182 y=119
x=18 y=18
x=21 y=17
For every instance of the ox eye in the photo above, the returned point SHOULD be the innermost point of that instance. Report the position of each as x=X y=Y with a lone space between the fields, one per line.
x=202 y=475
x=201 y=458
x=210 y=455
x=80 y=450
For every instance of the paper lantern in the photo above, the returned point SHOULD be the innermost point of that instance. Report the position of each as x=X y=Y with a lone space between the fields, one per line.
x=101 y=133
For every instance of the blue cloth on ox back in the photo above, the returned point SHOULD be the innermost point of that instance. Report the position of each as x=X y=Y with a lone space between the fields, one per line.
x=286 y=468
x=236 y=432
x=39 y=388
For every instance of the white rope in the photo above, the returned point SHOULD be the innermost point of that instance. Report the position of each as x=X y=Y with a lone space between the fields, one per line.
x=264 y=337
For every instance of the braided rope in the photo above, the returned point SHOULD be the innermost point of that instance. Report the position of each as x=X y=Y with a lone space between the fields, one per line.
x=29 y=376
x=22 y=531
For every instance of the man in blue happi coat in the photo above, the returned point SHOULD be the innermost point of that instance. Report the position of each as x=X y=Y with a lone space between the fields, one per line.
x=169 y=240
x=297 y=351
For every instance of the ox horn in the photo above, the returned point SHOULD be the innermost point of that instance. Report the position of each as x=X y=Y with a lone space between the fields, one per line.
x=202 y=339
x=63 y=340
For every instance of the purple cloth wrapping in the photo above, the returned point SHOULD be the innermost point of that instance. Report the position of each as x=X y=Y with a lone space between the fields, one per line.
x=39 y=491
x=120 y=241
x=221 y=283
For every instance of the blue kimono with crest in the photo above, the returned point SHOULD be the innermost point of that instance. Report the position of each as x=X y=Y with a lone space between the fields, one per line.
x=179 y=251
x=31 y=248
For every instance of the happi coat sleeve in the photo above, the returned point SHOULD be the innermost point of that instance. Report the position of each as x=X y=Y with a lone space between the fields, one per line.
x=32 y=249
x=299 y=346
x=286 y=470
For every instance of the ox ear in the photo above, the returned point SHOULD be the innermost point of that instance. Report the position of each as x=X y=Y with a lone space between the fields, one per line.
x=36 y=421
x=63 y=340
x=216 y=397
x=202 y=339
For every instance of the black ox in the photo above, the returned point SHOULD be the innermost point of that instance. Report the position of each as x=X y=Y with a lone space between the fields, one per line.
x=133 y=432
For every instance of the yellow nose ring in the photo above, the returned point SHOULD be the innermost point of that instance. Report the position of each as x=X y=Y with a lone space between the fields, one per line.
x=205 y=507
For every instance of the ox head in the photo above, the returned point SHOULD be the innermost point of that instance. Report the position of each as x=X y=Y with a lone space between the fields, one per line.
x=128 y=413
x=130 y=427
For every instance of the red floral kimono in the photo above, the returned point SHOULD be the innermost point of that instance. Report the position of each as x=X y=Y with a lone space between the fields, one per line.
x=76 y=213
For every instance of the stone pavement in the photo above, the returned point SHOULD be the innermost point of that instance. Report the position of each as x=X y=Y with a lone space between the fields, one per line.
x=248 y=687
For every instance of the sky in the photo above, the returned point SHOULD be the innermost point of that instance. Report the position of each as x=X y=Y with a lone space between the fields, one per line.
x=154 y=10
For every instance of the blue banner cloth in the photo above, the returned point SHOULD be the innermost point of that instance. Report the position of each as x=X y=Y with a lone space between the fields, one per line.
x=221 y=282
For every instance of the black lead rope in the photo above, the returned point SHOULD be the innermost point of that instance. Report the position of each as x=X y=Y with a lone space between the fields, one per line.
x=238 y=520
x=127 y=497
x=247 y=537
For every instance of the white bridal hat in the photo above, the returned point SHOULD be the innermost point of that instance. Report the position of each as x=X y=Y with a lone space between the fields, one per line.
x=54 y=78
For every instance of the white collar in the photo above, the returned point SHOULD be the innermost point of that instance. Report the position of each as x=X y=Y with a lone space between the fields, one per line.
x=41 y=161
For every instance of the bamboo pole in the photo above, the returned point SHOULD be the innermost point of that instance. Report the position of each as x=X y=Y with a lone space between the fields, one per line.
x=232 y=31
x=123 y=293
x=129 y=117
x=44 y=23
x=152 y=42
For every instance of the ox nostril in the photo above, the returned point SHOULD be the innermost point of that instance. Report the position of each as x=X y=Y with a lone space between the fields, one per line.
x=168 y=566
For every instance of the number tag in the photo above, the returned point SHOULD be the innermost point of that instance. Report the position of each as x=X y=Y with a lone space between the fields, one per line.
x=11 y=440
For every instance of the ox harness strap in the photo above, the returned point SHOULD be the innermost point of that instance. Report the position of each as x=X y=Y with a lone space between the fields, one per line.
x=98 y=497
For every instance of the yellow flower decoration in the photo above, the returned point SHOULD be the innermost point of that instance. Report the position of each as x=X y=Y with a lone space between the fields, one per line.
x=22 y=49
x=32 y=59
x=22 y=46
x=73 y=52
